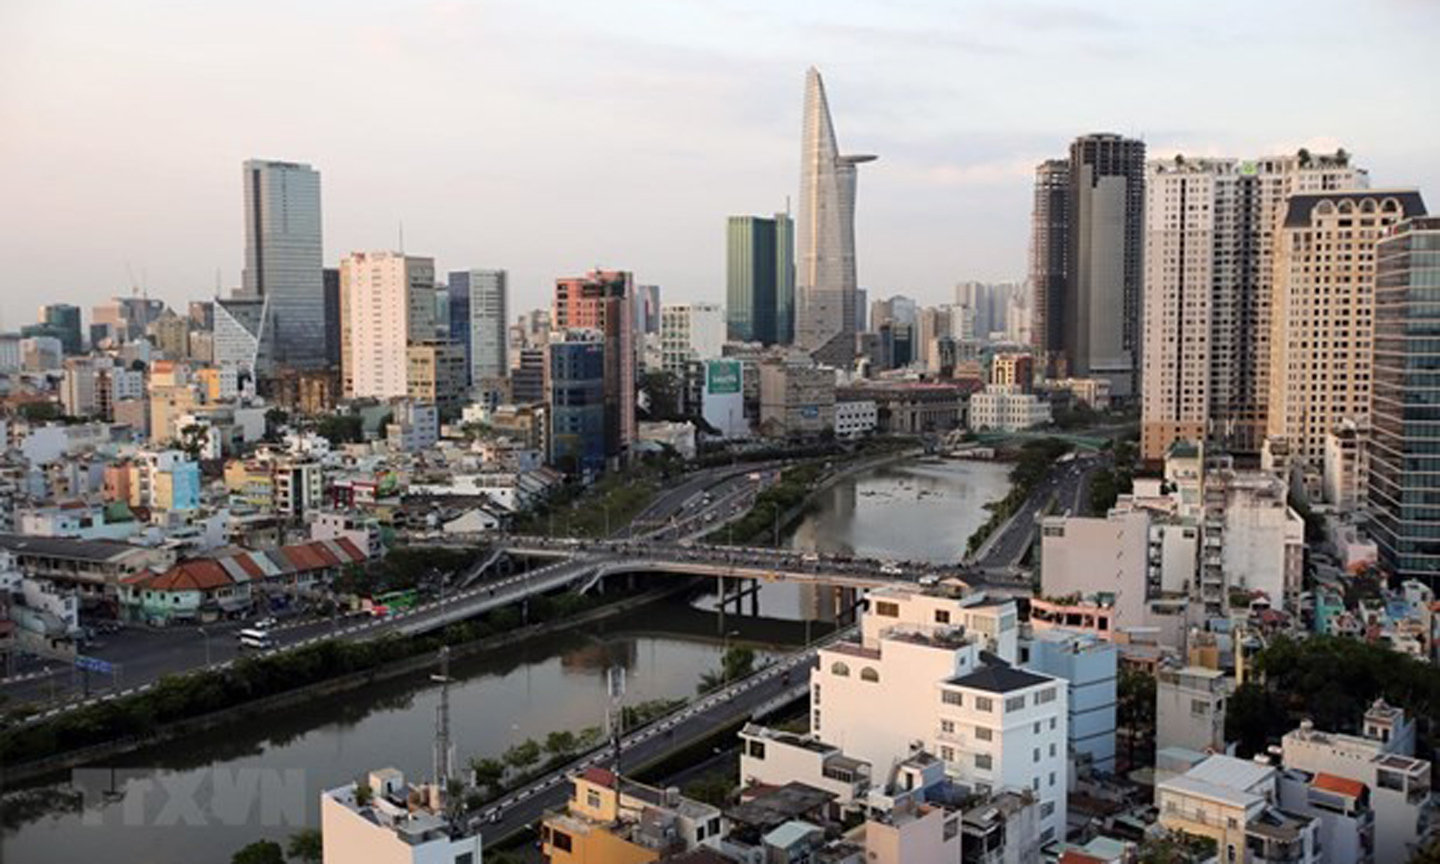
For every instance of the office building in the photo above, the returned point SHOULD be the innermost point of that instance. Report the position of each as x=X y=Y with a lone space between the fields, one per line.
x=604 y=300
x=647 y=309
x=826 y=286
x=578 y=425
x=1322 y=317
x=483 y=296
x=1210 y=240
x=456 y=322
x=1403 y=491
x=284 y=261
x=760 y=279
x=63 y=321
x=237 y=332
x=125 y=318
x=1007 y=408
x=690 y=331
x=435 y=373
x=387 y=302
x=1049 y=257
x=1105 y=206
x=797 y=399
x=331 y=281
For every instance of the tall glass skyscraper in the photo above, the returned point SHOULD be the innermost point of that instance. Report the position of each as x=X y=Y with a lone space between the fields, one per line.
x=284 y=261
x=825 y=283
x=760 y=279
x=485 y=298
x=1404 y=449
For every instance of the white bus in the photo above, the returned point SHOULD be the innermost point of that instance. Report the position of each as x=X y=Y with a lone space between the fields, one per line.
x=258 y=639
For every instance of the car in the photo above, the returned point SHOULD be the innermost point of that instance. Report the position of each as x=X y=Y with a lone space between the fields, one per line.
x=264 y=623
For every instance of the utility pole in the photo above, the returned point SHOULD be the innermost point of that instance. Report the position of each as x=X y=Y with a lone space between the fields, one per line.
x=615 y=688
x=444 y=750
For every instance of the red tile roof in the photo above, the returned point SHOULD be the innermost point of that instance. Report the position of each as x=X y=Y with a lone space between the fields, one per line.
x=348 y=545
x=200 y=574
x=248 y=565
x=1342 y=785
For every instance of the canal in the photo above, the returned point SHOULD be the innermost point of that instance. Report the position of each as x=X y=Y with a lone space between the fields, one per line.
x=200 y=799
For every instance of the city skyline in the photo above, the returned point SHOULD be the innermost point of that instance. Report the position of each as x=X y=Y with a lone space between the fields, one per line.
x=952 y=152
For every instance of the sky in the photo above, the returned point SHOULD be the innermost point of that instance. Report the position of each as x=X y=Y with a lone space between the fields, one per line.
x=551 y=137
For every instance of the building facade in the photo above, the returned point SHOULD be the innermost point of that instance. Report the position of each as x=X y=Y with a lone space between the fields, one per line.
x=760 y=279
x=284 y=260
x=690 y=331
x=604 y=300
x=387 y=302
x=1404 y=443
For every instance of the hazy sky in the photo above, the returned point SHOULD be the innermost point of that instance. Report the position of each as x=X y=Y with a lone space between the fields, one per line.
x=549 y=137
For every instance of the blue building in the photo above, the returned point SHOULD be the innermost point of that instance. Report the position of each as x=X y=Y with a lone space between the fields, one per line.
x=577 y=403
x=458 y=284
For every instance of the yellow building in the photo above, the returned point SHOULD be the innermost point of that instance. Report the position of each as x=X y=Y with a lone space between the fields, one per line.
x=602 y=823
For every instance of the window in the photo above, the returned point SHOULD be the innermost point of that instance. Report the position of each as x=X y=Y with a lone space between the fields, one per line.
x=984 y=703
x=757 y=750
x=947 y=754
x=887 y=609
x=1036 y=728
x=1052 y=751
x=465 y=858
x=869 y=674
x=1036 y=758
x=1015 y=703
x=942 y=616
x=947 y=725
x=982 y=761
x=1199 y=707
x=951 y=830
x=1052 y=779
x=950 y=697
x=592 y=799
x=815 y=720
x=1044 y=696
x=560 y=840
x=1052 y=724
x=839 y=669
x=1047 y=809
x=983 y=733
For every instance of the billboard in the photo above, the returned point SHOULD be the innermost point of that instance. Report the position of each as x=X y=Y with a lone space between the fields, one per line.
x=722 y=377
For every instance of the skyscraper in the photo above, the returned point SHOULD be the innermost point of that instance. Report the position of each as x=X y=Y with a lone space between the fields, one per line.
x=1209 y=248
x=1322 y=316
x=485 y=297
x=284 y=261
x=604 y=300
x=1104 y=263
x=826 y=282
x=760 y=279
x=1049 y=254
x=1403 y=437
x=387 y=303
x=64 y=323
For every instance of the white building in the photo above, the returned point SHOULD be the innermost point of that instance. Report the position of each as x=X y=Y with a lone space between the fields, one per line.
x=690 y=331
x=414 y=426
x=918 y=678
x=386 y=827
x=1343 y=479
x=1105 y=559
x=1190 y=708
x=855 y=418
x=387 y=301
x=1257 y=539
x=1380 y=758
x=1007 y=408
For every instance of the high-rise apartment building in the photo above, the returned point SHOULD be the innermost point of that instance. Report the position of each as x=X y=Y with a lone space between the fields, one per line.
x=1322 y=316
x=1404 y=486
x=1106 y=206
x=387 y=302
x=579 y=411
x=647 y=309
x=483 y=295
x=1209 y=243
x=826 y=286
x=284 y=260
x=760 y=279
x=1049 y=252
x=688 y=332
x=604 y=300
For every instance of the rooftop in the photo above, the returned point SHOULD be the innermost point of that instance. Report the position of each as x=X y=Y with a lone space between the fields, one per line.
x=999 y=678
x=1230 y=771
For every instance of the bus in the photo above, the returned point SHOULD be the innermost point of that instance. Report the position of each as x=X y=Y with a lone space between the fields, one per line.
x=257 y=639
x=393 y=601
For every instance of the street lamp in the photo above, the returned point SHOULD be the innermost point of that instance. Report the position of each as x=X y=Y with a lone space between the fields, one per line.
x=725 y=652
x=205 y=634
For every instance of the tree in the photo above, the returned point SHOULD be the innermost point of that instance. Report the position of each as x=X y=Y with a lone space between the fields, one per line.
x=363 y=793
x=522 y=756
x=1252 y=718
x=1177 y=847
x=40 y=412
x=560 y=743
x=192 y=440
x=260 y=852
x=738 y=662
x=487 y=772
x=305 y=845
x=1429 y=855
x=1136 y=709
x=275 y=420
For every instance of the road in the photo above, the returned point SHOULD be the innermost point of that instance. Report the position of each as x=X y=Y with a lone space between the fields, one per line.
x=779 y=683
x=1067 y=487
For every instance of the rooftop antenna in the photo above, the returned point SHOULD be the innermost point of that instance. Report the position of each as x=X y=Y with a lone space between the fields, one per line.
x=444 y=750
x=402 y=236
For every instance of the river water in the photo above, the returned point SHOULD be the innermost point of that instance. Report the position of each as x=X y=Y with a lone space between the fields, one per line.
x=200 y=799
